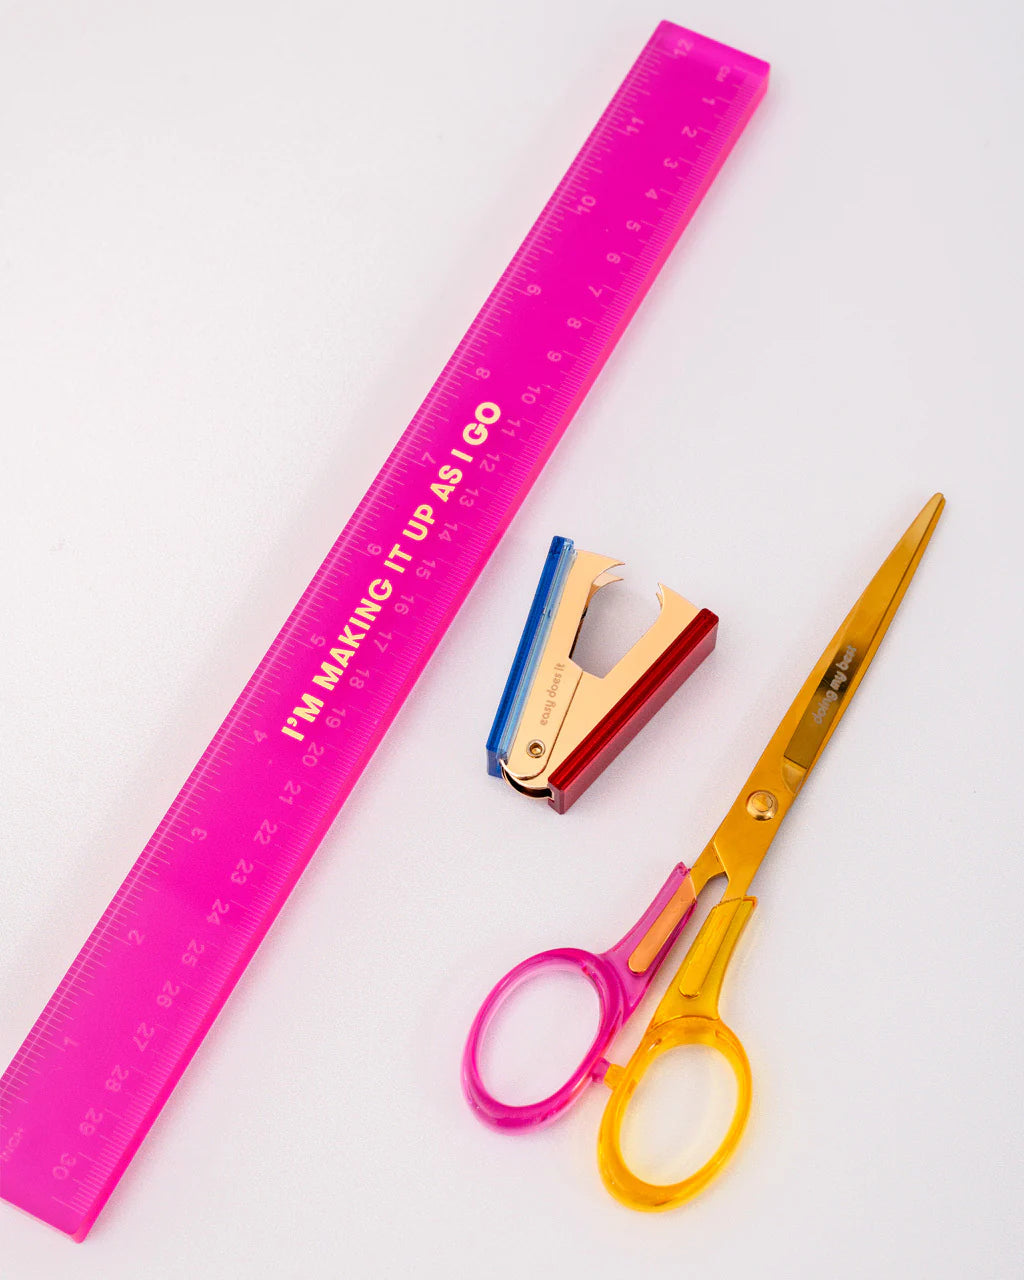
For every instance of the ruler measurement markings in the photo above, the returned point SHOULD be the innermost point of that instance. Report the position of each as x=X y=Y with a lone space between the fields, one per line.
x=477 y=528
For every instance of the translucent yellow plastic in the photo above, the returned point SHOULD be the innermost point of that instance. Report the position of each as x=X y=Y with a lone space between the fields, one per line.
x=687 y=1015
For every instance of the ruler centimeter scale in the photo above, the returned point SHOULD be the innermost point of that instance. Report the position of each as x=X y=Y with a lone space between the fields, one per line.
x=105 y=1054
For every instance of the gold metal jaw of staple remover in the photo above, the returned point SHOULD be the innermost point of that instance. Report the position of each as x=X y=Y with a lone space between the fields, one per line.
x=573 y=722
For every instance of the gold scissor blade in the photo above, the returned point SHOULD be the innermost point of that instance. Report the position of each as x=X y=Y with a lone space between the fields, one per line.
x=826 y=694
x=796 y=746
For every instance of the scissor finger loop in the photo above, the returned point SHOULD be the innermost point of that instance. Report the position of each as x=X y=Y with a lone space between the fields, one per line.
x=503 y=1115
x=687 y=1015
x=620 y=1180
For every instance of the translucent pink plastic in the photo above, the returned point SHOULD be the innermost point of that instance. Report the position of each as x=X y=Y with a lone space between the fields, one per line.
x=104 y=1056
x=619 y=991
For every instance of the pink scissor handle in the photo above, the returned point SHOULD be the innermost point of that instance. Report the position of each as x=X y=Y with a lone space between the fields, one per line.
x=619 y=987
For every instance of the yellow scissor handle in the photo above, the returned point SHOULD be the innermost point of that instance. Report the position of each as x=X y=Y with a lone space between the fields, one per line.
x=688 y=1014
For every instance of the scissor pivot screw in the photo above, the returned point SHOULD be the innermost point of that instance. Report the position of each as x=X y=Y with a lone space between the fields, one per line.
x=536 y=748
x=762 y=805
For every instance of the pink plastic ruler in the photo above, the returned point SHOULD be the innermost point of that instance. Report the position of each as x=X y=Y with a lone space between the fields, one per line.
x=110 y=1045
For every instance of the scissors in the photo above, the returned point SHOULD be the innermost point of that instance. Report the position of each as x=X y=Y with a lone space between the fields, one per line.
x=688 y=1013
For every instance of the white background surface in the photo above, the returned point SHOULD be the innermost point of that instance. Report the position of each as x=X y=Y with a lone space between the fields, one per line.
x=238 y=243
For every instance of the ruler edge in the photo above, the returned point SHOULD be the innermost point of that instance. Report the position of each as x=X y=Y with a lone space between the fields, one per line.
x=754 y=91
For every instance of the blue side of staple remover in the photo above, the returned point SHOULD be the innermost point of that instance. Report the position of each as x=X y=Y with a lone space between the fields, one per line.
x=560 y=557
